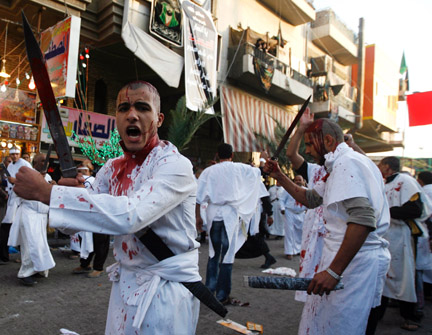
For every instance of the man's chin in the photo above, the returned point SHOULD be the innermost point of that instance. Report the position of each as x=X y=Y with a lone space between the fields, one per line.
x=133 y=146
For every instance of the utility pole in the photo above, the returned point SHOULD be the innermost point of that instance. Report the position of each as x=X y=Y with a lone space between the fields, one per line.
x=360 y=77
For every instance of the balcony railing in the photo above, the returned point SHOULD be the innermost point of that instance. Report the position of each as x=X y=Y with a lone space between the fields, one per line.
x=249 y=49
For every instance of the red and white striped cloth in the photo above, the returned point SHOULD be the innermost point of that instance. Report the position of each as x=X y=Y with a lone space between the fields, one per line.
x=243 y=115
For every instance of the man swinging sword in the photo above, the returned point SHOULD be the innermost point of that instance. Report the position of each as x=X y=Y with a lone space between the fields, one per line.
x=356 y=215
x=152 y=184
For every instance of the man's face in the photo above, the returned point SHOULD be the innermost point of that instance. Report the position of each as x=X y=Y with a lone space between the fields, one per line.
x=39 y=162
x=15 y=157
x=385 y=169
x=310 y=149
x=137 y=117
x=7 y=161
x=298 y=180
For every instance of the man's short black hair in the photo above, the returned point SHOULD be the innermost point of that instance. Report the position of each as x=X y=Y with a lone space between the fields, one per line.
x=425 y=177
x=225 y=151
x=392 y=162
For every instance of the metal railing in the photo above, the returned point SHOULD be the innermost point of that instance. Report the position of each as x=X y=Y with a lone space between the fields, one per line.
x=250 y=49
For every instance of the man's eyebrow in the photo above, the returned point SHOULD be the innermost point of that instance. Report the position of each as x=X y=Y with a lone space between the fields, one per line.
x=135 y=103
x=123 y=104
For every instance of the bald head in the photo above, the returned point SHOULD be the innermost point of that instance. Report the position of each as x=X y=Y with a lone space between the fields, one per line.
x=134 y=85
x=322 y=137
x=39 y=162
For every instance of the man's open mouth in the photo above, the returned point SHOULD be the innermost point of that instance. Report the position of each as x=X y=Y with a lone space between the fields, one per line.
x=133 y=131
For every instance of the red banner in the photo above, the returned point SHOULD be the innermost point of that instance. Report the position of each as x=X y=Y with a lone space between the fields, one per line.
x=420 y=109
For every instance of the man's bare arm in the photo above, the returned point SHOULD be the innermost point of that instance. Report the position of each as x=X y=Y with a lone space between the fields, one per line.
x=294 y=144
x=354 y=238
x=349 y=140
x=199 y=220
x=298 y=193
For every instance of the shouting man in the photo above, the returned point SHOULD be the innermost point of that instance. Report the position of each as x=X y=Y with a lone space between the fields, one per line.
x=150 y=186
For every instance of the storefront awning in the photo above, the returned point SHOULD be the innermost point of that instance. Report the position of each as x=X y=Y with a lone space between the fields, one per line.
x=243 y=115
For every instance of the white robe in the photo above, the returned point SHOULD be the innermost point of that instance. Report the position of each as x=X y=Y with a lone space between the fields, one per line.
x=277 y=198
x=128 y=195
x=253 y=227
x=13 y=199
x=232 y=191
x=29 y=230
x=346 y=311
x=86 y=245
x=313 y=233
x=400 y=282
x=294 y=216
x=427 y=189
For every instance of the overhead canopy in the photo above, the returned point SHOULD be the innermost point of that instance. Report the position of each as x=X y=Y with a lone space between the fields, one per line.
x=165 y=62
x=244 y=115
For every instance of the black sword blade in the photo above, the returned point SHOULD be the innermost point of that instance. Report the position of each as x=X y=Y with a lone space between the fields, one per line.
x=49 y=102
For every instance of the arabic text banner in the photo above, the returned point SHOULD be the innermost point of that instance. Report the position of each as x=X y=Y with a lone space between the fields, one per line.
x=82 y=123
x=59 y=45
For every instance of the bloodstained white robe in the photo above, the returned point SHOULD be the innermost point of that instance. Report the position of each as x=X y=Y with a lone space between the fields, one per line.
x=313 y=233
x=131 y=193
x=346 y=311
x=400 y=281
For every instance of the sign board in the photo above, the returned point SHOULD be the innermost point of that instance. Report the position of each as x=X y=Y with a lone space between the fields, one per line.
x=82 y=123
x=18 y=106
x=200 y=54
x=59 y=45
x=166 y=21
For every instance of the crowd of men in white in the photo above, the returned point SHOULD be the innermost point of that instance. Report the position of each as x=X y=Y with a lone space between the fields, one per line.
x=348 y=219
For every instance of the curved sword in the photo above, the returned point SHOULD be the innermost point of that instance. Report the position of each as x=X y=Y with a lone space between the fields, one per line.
x=49 y=103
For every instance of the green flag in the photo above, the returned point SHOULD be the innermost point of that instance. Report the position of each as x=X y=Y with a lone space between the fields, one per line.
x=403 y=66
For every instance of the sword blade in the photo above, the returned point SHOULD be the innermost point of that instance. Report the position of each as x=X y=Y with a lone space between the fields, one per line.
x=3 y=167
x=47 y=158
x=290 y=129
x=49 y=103
x=281 y=283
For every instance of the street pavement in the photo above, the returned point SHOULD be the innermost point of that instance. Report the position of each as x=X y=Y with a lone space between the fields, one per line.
x=74 y=302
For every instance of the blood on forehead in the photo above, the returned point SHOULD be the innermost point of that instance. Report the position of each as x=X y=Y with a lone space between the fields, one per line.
x=316 y=136
x=137 y=85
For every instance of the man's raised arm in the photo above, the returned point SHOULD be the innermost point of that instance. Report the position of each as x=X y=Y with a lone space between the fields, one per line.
x=294 y=144
x=299 y=193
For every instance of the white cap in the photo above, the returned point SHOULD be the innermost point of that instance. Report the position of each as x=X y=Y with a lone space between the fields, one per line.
x=14 y=150
x=262 y=160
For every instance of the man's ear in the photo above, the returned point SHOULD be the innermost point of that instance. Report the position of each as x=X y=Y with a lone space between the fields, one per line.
x=161 y=117
x=330 y=143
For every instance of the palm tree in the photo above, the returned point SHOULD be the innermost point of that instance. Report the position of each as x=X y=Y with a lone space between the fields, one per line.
x=184 y=123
